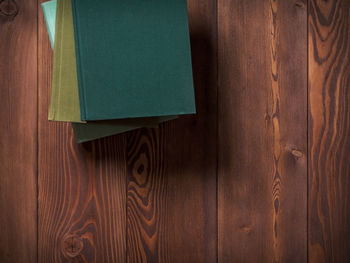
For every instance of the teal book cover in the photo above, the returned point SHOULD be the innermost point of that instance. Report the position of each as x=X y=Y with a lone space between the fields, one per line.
x=133 y=58
x=49 y=10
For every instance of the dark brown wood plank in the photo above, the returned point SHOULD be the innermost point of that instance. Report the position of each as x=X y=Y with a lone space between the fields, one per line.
x=82 y=188
x=146 y=205
x=18 y=131
x=262 y=131
x=171 y=210
x=329 y=131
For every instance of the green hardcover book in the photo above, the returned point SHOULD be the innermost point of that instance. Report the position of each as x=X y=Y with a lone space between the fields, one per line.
x=99 y=129
x=92 y=130
x=137 y=53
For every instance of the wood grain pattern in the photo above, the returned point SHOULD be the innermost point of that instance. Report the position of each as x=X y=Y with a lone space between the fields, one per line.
x=172 y=170
x=329 y=131
x=18 y=130
x=146 y=205
x=82 y=211
x=226 y=185
x=262 y=131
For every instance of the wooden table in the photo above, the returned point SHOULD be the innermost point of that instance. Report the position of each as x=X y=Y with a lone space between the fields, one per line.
x=260 y=174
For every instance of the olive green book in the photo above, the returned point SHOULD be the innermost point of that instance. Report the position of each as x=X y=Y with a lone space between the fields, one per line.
x=83 y=131
x=64 y=101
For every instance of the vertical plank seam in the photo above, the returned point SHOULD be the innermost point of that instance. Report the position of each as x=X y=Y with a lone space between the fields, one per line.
x=37 y=130
x=307 y=130
x=217 y=125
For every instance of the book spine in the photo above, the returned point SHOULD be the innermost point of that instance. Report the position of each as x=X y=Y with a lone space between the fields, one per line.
x=82 y=100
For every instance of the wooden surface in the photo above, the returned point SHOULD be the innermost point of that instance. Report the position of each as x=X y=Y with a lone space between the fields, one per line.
x=18 y=131
x=260 y=174
x=329 y=131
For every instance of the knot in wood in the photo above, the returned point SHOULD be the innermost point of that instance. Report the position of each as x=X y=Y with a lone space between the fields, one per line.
x=72 y=245
x=297 y=154
x=9 y=8
x=246 y=229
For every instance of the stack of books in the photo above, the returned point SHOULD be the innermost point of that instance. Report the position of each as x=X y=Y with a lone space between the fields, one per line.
x=118 y=65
